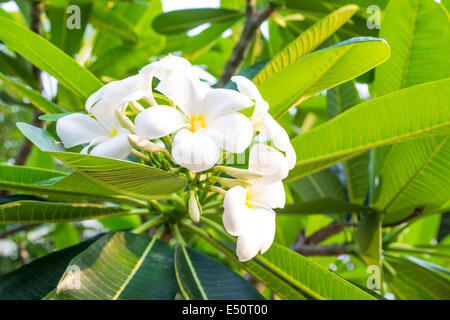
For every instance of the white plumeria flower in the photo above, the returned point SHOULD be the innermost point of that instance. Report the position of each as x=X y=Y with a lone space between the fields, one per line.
x=208 y=121
x=117 y=94
x=263 y=122
x=168 y=71
x=107 y=141
x=248 y=211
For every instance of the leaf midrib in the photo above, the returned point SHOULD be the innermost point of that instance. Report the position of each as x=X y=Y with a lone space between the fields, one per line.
x=135 y=269
x=417 y=173
x=194 y=275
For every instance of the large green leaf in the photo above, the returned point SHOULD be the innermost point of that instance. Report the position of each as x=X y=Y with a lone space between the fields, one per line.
x=278 y=285
x=48 y=58
x=68 y=40
x=306 y=42
x=407 y=165
x=340 y=99
x=28 y=211
x=310 y=277
x=416 y=173
x=401 y=115
x=122 y=266
x=183 y=20
x=412 y=280
x=321 y=70
x=35 y=98
x=123 y=176
x=323 y=206
x=54 y=183
x=202 y=278
x=37 y=279
x=413 y=28
x=322 y=184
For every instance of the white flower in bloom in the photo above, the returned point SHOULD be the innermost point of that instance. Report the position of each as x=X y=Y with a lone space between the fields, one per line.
x=248 y=211
x=263 y=122
x=104 y=102
x=207 y=121
x=107 y=141
x=168 y=71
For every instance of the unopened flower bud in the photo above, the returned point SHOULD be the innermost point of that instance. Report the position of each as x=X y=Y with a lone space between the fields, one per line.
x=238 y=173
x=124 y=121
x=144 y=144
x=230 y=183
x=195 y=209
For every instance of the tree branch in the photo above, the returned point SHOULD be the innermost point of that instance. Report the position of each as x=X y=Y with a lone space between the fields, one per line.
x=417 y=213
x=253 y=21
x=35 y=26
x=307 y=246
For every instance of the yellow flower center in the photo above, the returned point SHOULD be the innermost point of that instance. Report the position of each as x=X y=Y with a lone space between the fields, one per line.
x=248 y=199
x=114 y=132
x=197 y=123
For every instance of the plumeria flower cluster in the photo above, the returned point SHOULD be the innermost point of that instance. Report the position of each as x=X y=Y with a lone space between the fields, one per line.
x=191 y=124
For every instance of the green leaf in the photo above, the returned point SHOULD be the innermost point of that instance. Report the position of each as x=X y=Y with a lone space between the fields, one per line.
x=28 y=211
x=48 y=58
x=401 y=115
x=68 y=40
x=129 y=267
x=321 y=70
x=113 y=24
x=323 y=206
x=17 y=67
x=422 y=231
x=416 y=173
x=65 y=235
x=306 y=42
x=35 y=98
x=322 y=184
x=278 y=285
x=340 y=99
x=123 y=176
x=54 y=183
x=38 y=278
x=180 y=21
x=202 y=42
x=202 y=278
x=369 y=238
x=310 y=277
x=413 y=28
x=41 y=138
x=411 y=280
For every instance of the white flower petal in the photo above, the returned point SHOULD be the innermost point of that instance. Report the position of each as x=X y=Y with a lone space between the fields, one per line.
x=195 y=151
x=279 y=138
x=235 y=215
x=264 y=218
x=219 y=101
x=248 y=244
x=159 y=121
x=271 y=195
x=269 y=162
x=233 y=131
x=117 y=147
x=104 y=102
x=247 y=87
x=291 y=157
x=185 y=90
x=77 y=128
